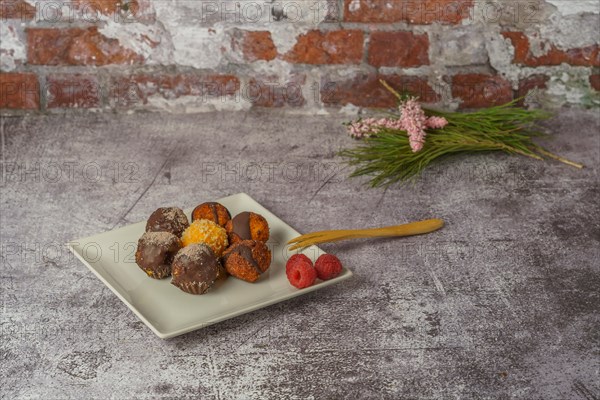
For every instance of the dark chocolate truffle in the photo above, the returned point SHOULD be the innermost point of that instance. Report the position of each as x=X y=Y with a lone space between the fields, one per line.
x=195 y=269
x=247 y=260
x=247 y=226
x=212 y=211
x=168 y=219
x=155 y=253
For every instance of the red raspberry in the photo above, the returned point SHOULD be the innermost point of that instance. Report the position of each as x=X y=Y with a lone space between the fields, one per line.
x=300 y=272
x=328 y=266
x=297 y=258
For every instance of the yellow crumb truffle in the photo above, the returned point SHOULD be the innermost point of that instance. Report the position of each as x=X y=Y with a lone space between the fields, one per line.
x=207 y=232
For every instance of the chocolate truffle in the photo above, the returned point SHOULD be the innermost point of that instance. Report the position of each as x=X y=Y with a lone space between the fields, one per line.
x=155 y=253
x=247 y=260
x=212 y=211
x=168 y=219
x=247 y=226
x=195 y=269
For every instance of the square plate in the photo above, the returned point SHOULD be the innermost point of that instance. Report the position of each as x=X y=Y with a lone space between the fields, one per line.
x=170 y=312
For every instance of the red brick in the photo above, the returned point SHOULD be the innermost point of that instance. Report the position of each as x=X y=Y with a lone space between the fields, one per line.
x=76 y=46
x=398 y=49
x=411 y=11
x=586 y=56
x=595 y=81
x=366 y=90
x=17 y=9
x=269 y=92
x=72 y=91
x=119 y=10
x=334 y=47
x=19 y=91
x=479 y=90
x=521 y=44
x=135 y=90
x=255 y=45
x=531 y=83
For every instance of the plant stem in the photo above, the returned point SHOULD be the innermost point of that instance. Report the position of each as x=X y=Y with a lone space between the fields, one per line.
x=559 y=158
x=391 y=89
x=505 y=147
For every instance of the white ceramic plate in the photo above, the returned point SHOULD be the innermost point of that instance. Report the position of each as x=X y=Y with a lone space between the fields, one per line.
x=170 y=312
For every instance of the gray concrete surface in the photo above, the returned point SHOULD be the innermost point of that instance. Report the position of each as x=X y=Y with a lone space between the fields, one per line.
x=502 y=303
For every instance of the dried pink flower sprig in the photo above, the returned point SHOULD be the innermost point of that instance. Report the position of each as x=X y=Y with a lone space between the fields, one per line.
x=412 y=120
x=370 y=126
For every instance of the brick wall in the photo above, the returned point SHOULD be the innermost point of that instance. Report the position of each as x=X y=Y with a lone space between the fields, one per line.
x=307 y=55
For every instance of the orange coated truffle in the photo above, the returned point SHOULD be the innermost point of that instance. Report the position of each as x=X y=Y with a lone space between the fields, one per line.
x=212 y=211
x=207 y=232
x=247 y=260
x=247 y=226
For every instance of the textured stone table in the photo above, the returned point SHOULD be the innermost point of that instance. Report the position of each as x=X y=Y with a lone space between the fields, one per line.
x=502 y=303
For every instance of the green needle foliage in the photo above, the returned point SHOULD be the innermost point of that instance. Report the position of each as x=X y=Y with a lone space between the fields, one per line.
x=387 y=157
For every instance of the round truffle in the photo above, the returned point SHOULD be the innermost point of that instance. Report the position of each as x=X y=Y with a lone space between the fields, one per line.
x=168 y=219
x=195 y=269
x=247 y=226
x=247 y=260
x=155 y=253
x=212 y=211
x=207 y=232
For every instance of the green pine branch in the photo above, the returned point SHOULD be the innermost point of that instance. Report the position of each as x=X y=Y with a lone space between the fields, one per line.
x=388 y=158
